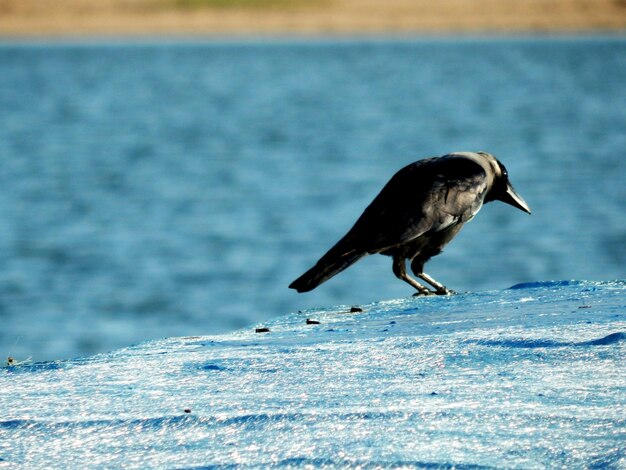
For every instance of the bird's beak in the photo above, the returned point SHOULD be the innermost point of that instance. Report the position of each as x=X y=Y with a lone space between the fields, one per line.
x=511 y=197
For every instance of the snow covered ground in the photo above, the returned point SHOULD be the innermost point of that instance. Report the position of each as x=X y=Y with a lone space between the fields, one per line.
x=528 y=377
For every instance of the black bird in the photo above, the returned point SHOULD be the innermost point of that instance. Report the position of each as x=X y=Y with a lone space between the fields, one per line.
x=416 y=214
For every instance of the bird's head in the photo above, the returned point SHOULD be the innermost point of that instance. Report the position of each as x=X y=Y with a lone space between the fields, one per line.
x=501 y=188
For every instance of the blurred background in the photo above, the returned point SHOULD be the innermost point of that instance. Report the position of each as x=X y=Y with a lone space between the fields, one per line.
x=168 y=167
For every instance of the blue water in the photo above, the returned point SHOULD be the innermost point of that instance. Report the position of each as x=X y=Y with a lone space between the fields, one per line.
x=526 y=378
x=164 y=189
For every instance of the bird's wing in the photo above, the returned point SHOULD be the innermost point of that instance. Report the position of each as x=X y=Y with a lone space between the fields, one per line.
x=428 y=195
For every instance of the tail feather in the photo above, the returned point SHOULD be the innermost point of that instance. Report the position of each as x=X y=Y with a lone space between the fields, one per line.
x=329 y=265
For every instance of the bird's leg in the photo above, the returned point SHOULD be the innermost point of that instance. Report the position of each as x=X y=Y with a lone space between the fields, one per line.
x=417 y=266
x=439 y=288
x=399 y=269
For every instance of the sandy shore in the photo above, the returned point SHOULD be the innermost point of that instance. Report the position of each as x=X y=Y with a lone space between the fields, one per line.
x=28 y=18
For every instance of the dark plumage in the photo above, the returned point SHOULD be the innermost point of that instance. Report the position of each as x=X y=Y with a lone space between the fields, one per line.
x=416 y=214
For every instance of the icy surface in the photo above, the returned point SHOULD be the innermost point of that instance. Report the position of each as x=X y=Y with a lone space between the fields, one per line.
x=529 y=377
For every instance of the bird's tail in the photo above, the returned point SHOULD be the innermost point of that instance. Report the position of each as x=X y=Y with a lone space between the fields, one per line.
x=328 y=265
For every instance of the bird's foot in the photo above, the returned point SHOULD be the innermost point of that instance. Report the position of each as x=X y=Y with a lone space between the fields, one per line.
x=444 y=291
x=424 y=292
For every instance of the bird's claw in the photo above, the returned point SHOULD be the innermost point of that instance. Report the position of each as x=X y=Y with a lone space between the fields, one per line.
x=426 y=292
x=445 y=291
